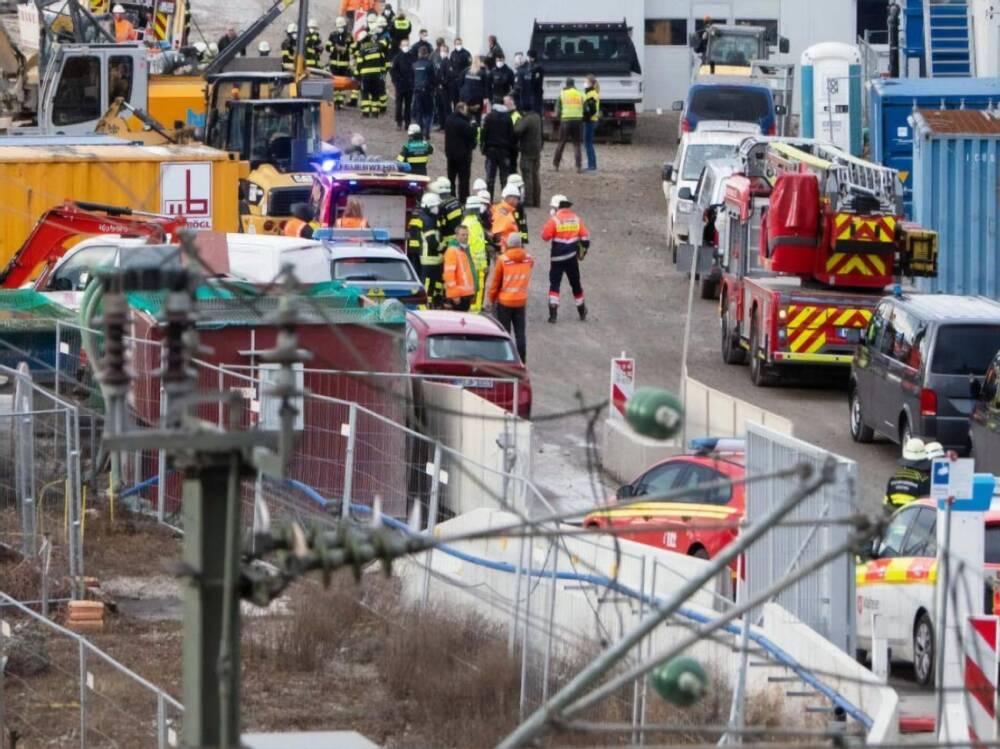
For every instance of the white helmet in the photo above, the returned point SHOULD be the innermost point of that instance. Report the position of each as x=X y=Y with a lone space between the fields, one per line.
x=430 y=201
x=371 y=18
x=484 y=196
x=213 y=48
x=118 y=8
x=341 y=23
x=381 y=23
x=442 y=186
x=357 y=139
x=511 y=191
x=934 y=450
x=914 y=450
x=516 y=180
x=558 y=200
x=413 y=129
x=312 y=24
x=479 y=184
x=200 y=47
x=292 y=28
x=264 y=48
x=473 y=203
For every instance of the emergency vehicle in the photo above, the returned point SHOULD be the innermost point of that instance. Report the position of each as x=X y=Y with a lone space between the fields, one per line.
x=811 y=238
x=698 y=524
x=897 y=582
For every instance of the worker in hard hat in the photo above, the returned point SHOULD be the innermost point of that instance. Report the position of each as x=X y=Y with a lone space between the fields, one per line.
x=912 y=479
x=416 y=151
x=264 y=49
x=124 y=30
x=369 y=59
x=570 y=242
x=505 y=216
x=450 y=215
x=338 y=46
x=289 y=45
x=314 y=45
x=471 y=220
x=382 y=33
x=425 y=226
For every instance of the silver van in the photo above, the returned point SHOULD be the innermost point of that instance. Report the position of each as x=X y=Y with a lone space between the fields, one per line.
x=707 y=225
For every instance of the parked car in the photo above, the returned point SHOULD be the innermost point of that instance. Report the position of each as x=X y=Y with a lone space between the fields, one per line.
x=693 y=514
x=472 y=349
x=720 y=102
x=984 y=420
x=708 y=218
x=896 y=580
x=680 y=179
x=380 y=271
x=910 y=373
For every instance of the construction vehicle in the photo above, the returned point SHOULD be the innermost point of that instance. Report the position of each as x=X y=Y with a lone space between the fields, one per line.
x=388 y=196
x=61 y=227
x=811 y=238
x=603 y=49
x=732 y=50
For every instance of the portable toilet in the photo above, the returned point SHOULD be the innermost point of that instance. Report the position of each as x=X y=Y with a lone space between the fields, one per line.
x=831 y=95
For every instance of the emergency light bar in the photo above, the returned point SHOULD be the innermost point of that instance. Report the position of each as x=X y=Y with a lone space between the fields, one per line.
x=346 y=235
x=707 y=445
x=329 y=163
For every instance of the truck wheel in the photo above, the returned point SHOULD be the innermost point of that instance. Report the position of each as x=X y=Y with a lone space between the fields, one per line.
x=708 y=288
x=923 y=650
x=860 y=432
x=625 y=135
x=759 y=374
x=731 y=351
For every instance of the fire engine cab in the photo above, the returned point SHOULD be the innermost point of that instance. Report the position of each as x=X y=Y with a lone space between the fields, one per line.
x=812 y=236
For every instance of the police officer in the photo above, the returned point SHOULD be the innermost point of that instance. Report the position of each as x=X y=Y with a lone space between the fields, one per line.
x=570 y=242
x=369 y=58
x=290 y=45
x=338 y=46
x=424 y=84
x=416 y=151
x=912 y=480
x=314 y=45
x=450 y=215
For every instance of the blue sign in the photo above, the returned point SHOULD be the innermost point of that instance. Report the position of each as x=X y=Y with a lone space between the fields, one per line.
x=982 y=492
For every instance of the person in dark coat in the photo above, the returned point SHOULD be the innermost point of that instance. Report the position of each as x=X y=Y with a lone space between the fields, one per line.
x=493 y=52
x=424 y=85
x=501 y=80
x=442 y=95
x=422 y=43
x=537 y=78
x=473 y=90
x=498 y=145
x=459 y=145
x=528 y=132
x=459 y=61
x=401 y=74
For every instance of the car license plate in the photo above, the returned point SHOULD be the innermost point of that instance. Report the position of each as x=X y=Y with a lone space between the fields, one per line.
x=481 y=384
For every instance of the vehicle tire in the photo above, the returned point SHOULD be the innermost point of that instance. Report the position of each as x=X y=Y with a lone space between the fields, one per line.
x=731 y=351
x=708 y=288
x=698 y=552
x=860 y=432
x=905 y=430
x=625 y=136
x=759 y=374
x=923 y=650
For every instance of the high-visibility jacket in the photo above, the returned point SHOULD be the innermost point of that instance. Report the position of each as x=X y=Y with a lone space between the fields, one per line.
x=459 y=278
x=349 y=6
x=906 y=485
x=296 y=227
x=369 y=57
x=591 y=105
x=424 y=226
x=480 y=258
x=521 y=216
x=416 y=153
x=567 y=232
x=504 y=223
x=314 y=49
x=571 y=104
x=449 y=217
x=125 y=31
x=400 y=29
x=511 y=277
x=288 y=49
x=339 y=48
x=352 y=222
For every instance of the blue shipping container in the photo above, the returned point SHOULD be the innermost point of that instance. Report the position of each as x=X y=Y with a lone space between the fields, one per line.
x=957 y=193
x=891 y=101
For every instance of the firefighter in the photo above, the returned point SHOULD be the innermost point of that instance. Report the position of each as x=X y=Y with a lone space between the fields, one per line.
x=509 y=291
x=369 y=59
x=416 y=151
x=338 y=46
x=460 y=279
x=383 y=38
x=450 y=215
x=430 y=248
x=472 y=220
x=264 y=49
x=314 y=45
x=912 y=480
x=570 y=242
x=302 y=223
x=290 y=45
x=520 y=215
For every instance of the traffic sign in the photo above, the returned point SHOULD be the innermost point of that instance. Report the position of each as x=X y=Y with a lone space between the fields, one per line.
x=622 y=385
x=952 y=478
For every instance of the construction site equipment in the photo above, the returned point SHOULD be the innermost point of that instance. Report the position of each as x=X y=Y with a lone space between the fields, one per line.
x=62 y=226
x=731 y=50
x=193 y=182
x=812 y=238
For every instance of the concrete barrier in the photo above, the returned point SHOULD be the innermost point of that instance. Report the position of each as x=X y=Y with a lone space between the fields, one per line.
x=625 y=454
x=712 y=413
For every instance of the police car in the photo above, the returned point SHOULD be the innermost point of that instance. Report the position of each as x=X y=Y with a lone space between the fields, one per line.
x=897 y=580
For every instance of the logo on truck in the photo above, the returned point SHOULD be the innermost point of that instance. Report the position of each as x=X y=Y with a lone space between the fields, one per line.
x=186 y=192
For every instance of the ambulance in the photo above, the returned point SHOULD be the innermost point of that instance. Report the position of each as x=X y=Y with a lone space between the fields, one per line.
x=896 y=581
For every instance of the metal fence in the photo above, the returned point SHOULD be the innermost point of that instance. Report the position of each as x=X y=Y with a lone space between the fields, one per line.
x=60 y=690
x=824 y=600
x=40 y=482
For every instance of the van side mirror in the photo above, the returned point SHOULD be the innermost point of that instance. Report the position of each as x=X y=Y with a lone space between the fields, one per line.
x=873 y=550
x=780 y=109
x=685 y=193
x=975 y=387
x=783 y=45
x=678 y=106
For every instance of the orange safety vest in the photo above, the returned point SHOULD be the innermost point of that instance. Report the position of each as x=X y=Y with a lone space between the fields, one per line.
x=352 y=222
x=294 y=227
x=125 y=31
x=504 y=223
x=458 y=280
x=564 y=230
x=511 y=277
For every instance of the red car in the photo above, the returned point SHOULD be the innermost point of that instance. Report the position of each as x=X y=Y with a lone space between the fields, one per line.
x=473 y=347
x=689 y=518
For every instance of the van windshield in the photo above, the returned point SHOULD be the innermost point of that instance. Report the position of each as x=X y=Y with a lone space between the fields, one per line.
x=965 y=349
x=740 y=103
x=696 y=156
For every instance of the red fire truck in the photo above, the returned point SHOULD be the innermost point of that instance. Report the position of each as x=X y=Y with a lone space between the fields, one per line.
x=810 y=239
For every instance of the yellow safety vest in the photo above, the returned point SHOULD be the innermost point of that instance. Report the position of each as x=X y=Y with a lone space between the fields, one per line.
x=592 y=94
x=571 y=104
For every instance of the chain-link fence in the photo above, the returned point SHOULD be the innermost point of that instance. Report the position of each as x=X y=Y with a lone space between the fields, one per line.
x=59 y=690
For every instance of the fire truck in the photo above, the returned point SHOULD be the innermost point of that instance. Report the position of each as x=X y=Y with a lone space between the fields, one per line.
x=810 y=239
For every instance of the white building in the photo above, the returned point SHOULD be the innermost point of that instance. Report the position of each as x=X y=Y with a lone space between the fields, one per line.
x=660 y=28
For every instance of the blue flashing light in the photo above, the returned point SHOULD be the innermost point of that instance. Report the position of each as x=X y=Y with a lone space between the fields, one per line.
x=413 y=184
x=328 y=165
x=897 y=291
x=353 y=182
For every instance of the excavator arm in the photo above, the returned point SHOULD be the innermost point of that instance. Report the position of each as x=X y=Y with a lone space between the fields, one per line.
x=48 y=240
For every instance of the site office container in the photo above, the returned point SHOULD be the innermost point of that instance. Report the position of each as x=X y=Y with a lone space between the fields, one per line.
x=892 y=101
x=36 y=174
x=957 y=193
x=234 y=338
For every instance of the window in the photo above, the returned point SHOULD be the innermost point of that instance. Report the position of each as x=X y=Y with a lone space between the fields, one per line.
x=666 y=32
x=661 y=479
x=902 y=345
x=740 y=103
x=877 y=324
x=372 y=269
x=770 y=25
x=78 y=269
x=700 y=474
x=965 y=349
x=696 y=155
x=895 y=534
x=469 y=347
x=587 y=47
x=993 y=544
x=922 y=541
x=120 y=79
x=78 y=98
x=412 y=339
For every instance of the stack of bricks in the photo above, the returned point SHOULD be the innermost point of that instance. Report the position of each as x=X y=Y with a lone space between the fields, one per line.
x=85 y=616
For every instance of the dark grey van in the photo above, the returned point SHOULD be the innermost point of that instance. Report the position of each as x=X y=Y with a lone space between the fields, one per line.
x=984 y=421
x=910 y=375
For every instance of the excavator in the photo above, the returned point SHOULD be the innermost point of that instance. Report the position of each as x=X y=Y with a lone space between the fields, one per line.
x=63 y=226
